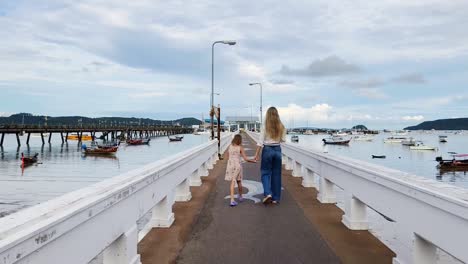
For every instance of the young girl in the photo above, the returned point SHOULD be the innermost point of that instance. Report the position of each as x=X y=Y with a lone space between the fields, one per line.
x=271 y=136
x=234 y=166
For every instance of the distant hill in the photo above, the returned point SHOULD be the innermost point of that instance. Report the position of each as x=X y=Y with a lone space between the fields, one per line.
x=30 y=119
x=359 y=127
x=442 y=124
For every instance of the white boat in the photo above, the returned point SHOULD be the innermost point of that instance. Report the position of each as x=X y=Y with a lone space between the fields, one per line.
x=336 y=140
x=308 y=132
x=363 y=138
x=400 y=133
x=409 y=142
x=442 y=139
x=394 y=139
x=420 y=146
x=341 y=134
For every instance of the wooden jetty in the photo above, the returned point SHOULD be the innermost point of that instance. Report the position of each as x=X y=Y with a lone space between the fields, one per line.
x=109 y=132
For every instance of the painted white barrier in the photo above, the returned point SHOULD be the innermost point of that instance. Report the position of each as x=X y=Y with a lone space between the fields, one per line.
x=102 y=219
x=435 y=214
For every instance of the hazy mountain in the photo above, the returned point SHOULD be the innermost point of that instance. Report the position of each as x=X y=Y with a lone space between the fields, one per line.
x=442 y=124
x=30 y=119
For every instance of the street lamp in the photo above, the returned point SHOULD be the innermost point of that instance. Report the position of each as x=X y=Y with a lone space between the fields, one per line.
x=261 y=103
x=228 y=42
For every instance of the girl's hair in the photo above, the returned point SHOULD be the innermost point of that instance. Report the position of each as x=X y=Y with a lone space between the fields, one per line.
x=273 y=126
x=237 y=140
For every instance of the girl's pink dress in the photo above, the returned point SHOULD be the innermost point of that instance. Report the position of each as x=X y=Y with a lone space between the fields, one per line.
x=234 y=167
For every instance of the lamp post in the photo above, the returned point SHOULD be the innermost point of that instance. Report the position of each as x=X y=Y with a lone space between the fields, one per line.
x=228 y=42
x=261 y=102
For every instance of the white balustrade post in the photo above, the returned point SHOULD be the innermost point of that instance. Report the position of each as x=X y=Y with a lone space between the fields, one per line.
x=424 y=252
x=284 y=159
x=216 y=157
x=209 y=163
x=183 y=193
x=124 y=249
x=355 y=217
x=195 y=179
x=309 y=179
x=162 y=215
x=289 y=163
x=203 y=171
x=297 y=169
x=326 y=193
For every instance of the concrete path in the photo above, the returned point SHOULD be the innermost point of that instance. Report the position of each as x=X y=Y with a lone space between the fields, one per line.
x=254 y=233
x=298 y=230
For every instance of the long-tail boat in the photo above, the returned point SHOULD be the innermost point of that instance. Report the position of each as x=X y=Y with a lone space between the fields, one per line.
x=99 y=151
x=175 y=138
x=28 y=160
x=458 y=162
x=138 y=141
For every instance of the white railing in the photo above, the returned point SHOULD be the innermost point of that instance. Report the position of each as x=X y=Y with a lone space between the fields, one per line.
x=434 y=214
x=102 y=219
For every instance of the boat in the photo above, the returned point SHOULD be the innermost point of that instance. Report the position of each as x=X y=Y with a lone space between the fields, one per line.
x=458 y=162
x=28 y=160
x=420 y=146
x=408 y=142
x=175 y=138
x=138 y=141
x=108 y=144
x=295 y=138
x=363 y=138
x=379 y=156
x=394 y=139
x=341 y=134
x=442 y=139
x=84 y=137
x=400 y=133
x=336 y=140
x=308 y=132
x=99 y=151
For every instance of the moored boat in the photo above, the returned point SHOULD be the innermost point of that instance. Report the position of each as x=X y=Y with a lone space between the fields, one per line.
x=420 y=146
x=295 y=138
x=408 y=142
x=175 y=138
x=138 y=141
x=394 y=139
x=336 y=140
x=84 y=137
x=28 y=160
x=458 y=162
x=99 y=151
x=363 y=138
x=442 y=139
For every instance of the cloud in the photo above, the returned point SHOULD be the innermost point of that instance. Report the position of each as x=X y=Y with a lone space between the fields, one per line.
x=366 y=88
x=329 y=66
x=282 y=81
x=368 y=83
x=147 y=95
x=412 y=78
x=371 y=93
x=412 y=118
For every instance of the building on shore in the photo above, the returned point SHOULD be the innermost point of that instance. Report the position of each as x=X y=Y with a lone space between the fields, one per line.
x=243 y=122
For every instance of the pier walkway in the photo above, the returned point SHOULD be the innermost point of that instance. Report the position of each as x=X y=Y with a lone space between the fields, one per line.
x=298 y=230
x=175 y=211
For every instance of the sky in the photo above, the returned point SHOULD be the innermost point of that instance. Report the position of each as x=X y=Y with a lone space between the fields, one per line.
x=322 y=63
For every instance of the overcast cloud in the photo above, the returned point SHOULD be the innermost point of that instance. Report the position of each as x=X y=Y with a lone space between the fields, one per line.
x=327 y=63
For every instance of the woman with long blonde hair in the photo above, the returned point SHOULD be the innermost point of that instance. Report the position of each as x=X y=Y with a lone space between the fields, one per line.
x=271 y=136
